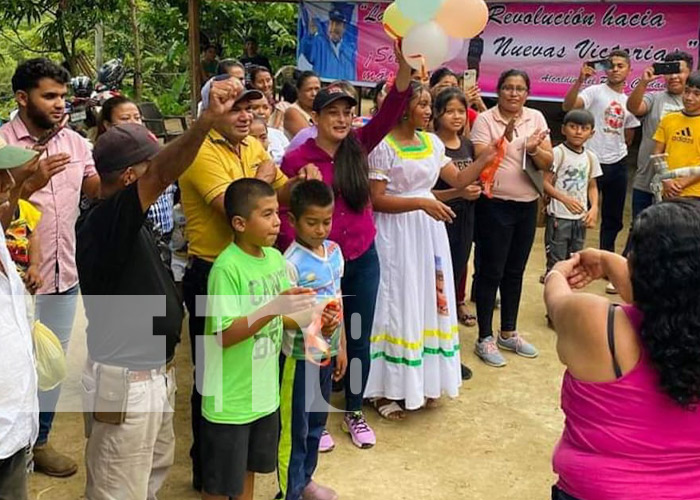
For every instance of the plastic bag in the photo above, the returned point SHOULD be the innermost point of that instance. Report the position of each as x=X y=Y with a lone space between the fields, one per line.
x=50 y=358
x=488 y=173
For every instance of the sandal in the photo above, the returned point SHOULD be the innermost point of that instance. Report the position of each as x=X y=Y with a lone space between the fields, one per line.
x=431 y=403
x=389 y=410
x=464 y=316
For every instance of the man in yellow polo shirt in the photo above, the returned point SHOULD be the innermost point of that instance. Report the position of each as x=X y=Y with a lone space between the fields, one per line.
x=678 y=136
x=229 y=153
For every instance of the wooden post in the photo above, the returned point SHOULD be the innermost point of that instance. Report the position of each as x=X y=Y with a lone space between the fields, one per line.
x=193 y=20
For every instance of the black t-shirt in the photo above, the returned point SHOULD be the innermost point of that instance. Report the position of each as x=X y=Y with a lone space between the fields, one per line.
x=461 y=157
x=256 y=60
x=133 y=309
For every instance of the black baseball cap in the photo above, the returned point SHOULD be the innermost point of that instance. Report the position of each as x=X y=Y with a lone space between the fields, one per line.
x=124 y=146
x=329 y=95
x=337 y=15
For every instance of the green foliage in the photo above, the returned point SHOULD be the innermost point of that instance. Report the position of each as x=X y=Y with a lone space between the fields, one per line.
x=61 y=29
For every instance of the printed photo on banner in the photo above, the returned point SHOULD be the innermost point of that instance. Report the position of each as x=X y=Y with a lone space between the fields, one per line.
x=328 y=40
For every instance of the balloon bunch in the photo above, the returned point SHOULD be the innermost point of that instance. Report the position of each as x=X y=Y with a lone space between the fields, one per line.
x=433 y=31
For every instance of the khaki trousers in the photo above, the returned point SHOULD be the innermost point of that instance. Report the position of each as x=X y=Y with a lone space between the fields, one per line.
x=130 y=461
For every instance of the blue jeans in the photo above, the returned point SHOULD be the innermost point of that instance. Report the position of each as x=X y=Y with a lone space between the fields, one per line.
x=360 y=285
x=641 y=200
x=56 y=311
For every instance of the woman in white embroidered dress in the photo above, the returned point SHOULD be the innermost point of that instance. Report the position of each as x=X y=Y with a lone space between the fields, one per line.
x=415 y=338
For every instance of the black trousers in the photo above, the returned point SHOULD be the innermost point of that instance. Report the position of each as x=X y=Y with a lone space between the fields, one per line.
x=460 y=232
x=194 y=284
x=558 y=494
x=613 y=191
x=505 y=233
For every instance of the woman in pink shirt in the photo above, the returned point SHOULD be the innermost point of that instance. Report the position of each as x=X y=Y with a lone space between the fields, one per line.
x=340 y=153
x=632 y=383
x=505 y=224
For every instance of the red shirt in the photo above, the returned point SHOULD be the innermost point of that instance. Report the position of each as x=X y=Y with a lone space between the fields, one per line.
x=353 y=231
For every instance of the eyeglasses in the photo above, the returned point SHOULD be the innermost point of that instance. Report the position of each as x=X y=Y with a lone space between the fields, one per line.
x=514 y=90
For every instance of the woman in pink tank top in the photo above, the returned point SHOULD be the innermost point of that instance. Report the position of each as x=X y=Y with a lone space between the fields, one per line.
x=632 y=384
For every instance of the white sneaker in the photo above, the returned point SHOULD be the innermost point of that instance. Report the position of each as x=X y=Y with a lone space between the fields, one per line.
x=610 y=289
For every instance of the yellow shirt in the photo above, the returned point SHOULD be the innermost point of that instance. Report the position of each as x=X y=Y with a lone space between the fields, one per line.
x=215 y=167
x=681 y=135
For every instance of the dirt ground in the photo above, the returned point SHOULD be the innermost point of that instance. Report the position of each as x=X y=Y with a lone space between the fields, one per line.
x=493 y=442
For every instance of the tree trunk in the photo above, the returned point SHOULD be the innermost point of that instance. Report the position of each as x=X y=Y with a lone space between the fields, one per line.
x=99 y=45
x=138 y=80
x=65 y=51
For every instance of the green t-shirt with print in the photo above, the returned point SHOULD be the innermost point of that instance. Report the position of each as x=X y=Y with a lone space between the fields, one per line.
x=241 y=382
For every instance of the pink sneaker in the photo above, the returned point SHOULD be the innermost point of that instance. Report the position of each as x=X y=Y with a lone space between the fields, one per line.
x=326 y=444
x=315 y=491
x=362 y=435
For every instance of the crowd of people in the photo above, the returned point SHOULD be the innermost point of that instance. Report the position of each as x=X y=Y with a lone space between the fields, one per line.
x=314 y=249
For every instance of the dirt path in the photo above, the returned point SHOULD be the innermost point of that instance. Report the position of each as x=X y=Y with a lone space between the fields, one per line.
x=494 y=442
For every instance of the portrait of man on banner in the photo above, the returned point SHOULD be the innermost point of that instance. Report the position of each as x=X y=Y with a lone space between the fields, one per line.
x=328 y=40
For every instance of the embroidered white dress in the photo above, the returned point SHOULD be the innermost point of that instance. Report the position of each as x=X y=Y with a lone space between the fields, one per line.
x=415 y=338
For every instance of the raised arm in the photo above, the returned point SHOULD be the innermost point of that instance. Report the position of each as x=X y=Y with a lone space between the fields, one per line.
x=393 y=108
x=174 y=158
x=635 y=102
x=572 y=99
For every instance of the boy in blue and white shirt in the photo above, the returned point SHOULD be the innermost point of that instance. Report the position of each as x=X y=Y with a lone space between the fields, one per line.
x=317 y=263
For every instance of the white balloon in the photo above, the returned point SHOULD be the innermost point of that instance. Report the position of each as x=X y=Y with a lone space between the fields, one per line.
x=426 y=44
x=455 y=48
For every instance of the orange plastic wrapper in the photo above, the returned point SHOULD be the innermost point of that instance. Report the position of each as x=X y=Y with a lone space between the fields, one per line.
x=316 y=344
x=489 y=172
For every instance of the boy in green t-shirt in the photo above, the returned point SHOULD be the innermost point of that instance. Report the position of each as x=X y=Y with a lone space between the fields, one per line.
x=248 y=295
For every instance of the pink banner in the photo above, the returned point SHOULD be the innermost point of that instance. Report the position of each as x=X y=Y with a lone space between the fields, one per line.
x=552 y=41
x=548 y=40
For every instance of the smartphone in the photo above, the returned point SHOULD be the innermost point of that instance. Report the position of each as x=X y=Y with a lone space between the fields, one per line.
x=469 y=79
x=44 y=140
x=667 y=68
x=600 y=64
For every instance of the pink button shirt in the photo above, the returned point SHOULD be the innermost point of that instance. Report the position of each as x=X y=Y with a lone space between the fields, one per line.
x=58 y=202
x=511 y=182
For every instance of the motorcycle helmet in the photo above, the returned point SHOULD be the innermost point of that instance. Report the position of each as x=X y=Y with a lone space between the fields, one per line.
x=111 y=74
x=82 y=86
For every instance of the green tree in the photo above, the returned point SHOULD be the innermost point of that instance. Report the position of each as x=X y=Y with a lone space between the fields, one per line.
x=62 y=23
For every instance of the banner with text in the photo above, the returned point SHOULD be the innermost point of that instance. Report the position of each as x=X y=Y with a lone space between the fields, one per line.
x=344 y=40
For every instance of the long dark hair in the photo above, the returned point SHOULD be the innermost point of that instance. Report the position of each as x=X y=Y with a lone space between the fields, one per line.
x=665 y=270
x=441 y=102
x=351 y=174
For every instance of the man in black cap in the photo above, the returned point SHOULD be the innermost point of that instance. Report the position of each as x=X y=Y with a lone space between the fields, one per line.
x=132 y=306
x=331 y=48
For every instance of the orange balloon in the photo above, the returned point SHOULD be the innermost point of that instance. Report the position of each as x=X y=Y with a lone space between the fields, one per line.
x=463 y=18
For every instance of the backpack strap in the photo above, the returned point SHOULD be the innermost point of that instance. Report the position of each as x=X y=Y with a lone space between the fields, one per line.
x=611 y=339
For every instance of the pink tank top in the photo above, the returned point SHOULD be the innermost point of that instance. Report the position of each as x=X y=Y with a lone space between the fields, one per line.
x=626 y=440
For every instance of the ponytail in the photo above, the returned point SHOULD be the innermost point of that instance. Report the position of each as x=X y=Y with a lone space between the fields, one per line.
x=351 y=174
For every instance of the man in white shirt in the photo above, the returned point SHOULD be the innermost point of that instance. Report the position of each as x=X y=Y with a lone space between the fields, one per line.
x=614 y=132
x=19 y=405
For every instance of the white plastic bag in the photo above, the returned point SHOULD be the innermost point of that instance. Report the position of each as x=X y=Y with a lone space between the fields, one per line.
x=50 y=358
